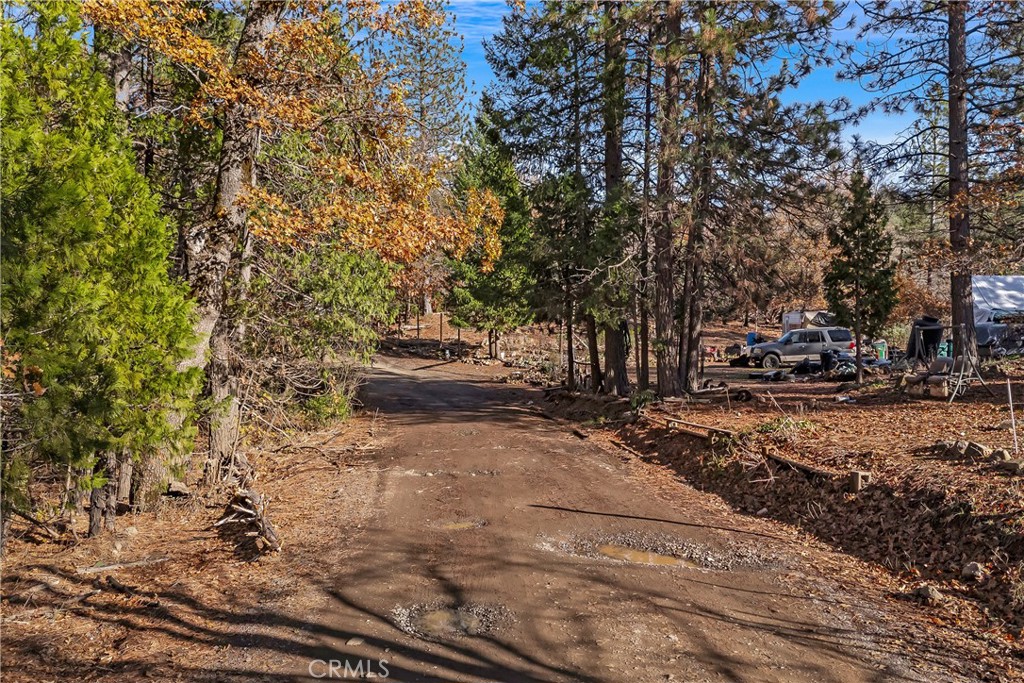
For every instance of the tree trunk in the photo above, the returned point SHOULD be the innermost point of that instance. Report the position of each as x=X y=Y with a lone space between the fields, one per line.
x=859 y=355
x=570 y=351
x=595 y=358
x=115 y=55
x=6 y=517
x=6 y=506
x=223 y=375
x=97 y=506
x=124 y=479
x=636 y=333
x=224 y=417
x=616 y=380
x=112 y=488
x=664 y=228
x=210 y=246
x=643 y=374
x=643 y=368
x=103 y=499
x=965 y=340
x=693 y=302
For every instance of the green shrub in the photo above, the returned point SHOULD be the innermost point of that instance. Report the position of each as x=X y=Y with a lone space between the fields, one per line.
x=94 y=327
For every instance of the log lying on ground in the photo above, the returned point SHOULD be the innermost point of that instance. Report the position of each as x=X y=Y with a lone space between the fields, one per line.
x=120 y=565
x=249 y=508
x=679 y=424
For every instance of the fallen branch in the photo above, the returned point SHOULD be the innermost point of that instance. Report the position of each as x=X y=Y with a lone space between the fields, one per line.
x=151 y=601
x=121 y=565
x=673 y=422
x=50 y=531
x=628 y=449
x=801 y=467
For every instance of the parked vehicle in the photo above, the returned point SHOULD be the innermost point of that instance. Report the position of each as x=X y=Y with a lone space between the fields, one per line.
x=797 y=345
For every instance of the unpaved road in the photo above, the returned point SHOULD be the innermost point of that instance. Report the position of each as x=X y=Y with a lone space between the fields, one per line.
x=507 y=519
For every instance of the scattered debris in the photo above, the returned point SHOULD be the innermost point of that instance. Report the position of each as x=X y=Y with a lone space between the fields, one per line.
x=972 y=571
x=178 y=488
x=250 y=509
x=927 y=594
x=1015 y=467
x=977 y=451
x=1000 y=455
x=858 y=480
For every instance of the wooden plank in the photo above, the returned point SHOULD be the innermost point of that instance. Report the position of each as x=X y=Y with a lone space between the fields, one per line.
x=806 y=469
x=674 y=422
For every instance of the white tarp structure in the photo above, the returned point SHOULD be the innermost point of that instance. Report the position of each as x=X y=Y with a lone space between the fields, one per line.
x=793 y=320
x=995 y=294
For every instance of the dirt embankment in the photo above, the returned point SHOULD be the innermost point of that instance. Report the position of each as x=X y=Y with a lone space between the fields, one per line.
x=920 y=531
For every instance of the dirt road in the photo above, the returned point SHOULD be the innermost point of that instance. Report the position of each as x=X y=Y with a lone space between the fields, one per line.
x=504 y=548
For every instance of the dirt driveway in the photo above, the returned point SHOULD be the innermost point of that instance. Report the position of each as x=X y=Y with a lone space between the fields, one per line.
x=469 y=539
x=507 y=549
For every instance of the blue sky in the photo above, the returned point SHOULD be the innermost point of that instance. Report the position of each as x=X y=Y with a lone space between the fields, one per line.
x=480 y=19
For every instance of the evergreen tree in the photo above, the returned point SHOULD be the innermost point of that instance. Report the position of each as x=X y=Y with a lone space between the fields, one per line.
x=429 y=61
x=94 y=328
x=495 y=298
x=548 y=107
x=859 y=284
x=964 y=58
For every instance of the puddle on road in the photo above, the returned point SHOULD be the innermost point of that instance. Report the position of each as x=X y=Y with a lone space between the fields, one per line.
x=621 y=552
x=439 y=622
x=463 y=526
x=445 y=473
x=442 y=623
x=660 y=550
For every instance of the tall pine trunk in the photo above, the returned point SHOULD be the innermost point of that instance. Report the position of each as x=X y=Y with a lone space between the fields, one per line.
x=693 y=303
x=615 y=381
x=664 y=229
x=643 y=369
x=223 y=372
x=965 y=341
x=616 y=378
x=596 y=378
x=570 y=351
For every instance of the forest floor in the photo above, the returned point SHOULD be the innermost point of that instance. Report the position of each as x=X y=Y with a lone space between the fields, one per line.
x=455 y=532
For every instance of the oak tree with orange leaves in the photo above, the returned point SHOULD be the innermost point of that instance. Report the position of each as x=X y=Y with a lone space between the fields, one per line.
x=310 y=133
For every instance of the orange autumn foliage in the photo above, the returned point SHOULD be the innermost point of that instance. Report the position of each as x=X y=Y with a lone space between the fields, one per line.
x=317 y=88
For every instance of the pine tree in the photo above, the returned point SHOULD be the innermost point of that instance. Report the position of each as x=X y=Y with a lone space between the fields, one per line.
x=859 y=284
x=94 y=328
x=494 y=297
x=547 y=107
x=964 y=57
